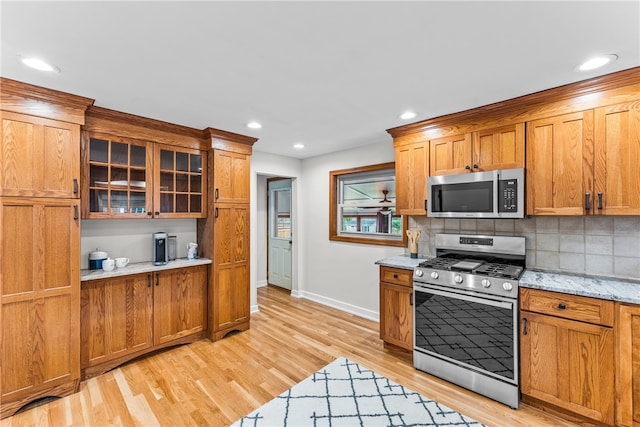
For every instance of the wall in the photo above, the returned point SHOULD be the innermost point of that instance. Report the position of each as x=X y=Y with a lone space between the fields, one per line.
x=601 y=246
x=263 y=166
x=338 y=273
x=132 y=238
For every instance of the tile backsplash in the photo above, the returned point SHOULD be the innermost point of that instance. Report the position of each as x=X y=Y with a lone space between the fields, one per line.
x=598 y=245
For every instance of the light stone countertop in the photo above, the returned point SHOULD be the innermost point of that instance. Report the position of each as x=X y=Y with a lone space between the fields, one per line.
x=588 y=286
x=401 y=261
x=573 y=284
x=141 y=267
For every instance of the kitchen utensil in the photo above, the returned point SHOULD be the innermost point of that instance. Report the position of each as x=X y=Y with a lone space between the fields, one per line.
x=192 y=249
x=122 y=262
x=95 y=259
x=108 y=264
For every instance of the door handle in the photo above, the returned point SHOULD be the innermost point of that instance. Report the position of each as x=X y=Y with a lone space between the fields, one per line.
x=411 y=299
x=587 y=201
x=75 y=211
x=148 y=280
x=217 y=194
x=215 y=215
x=599 y=200
x=75 y=185
x=524 y=326
x=157 y=281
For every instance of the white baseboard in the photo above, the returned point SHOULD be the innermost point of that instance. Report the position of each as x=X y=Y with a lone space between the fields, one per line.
x=255 y=309
x=340 y=305
x=261 y=283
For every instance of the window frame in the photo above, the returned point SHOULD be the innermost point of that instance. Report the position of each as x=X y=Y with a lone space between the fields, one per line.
x=334 y=235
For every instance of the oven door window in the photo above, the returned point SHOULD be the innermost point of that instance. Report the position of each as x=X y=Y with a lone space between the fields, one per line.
x=462 y=197
x=478 y=332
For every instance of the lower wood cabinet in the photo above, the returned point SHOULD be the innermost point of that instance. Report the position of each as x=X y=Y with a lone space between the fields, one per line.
x=396 y=307
x=127 y=316
x=567 y=355
x=628 y=367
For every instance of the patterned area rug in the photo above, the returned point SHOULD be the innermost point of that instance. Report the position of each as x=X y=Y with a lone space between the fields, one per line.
x=344 y=393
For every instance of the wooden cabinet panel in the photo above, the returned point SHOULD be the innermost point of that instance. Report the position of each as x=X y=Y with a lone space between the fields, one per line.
x=396 y=315
x=500 y=148
x=128 y=178
x=566 y=363
x=231 y=177
x=396 y=276
x=39 y=157
x=412 y=163
x=230 y=293
x=450 y=155
x=628 y=367
x=180 y=186
x=40 y=294
x=559 y=173
x=574 y=307
x=179 y=303
x=116 y=318
x=616 y=159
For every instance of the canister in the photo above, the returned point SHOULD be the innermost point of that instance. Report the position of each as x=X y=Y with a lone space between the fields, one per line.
x=95 y=259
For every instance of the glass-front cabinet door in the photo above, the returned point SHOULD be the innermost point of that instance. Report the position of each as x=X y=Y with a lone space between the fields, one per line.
x=180 y=189
x=119 y=177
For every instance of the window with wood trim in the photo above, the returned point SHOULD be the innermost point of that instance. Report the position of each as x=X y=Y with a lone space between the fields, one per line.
x=362 y=206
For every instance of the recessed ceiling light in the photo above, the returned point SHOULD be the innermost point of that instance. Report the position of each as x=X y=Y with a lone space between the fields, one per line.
x=39 y=64
x=597 y=62
x=254 y=125
x=298 y=146
x=407 y=115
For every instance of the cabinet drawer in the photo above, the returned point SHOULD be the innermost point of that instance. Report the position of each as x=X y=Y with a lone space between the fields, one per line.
x=584 y=309
x=399 y=276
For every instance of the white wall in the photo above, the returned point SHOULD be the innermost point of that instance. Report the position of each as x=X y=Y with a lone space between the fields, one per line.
x=132 y=238
x=338 y=273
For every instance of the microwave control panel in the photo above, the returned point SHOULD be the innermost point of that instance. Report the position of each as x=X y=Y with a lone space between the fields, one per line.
x=508 y=195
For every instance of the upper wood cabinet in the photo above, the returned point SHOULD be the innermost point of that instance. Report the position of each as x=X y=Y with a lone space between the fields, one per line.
x=481 y=150
x=628 y=366
x=39 y=157
x=585 y=162
x=134 y=167
x=230 y=177
x=412 y=170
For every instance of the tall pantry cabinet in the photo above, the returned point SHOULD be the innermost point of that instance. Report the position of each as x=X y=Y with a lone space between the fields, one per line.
x=40 y=243
x=224 y=233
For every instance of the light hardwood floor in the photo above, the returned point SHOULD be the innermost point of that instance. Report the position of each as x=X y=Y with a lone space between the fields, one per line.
x=214 y=384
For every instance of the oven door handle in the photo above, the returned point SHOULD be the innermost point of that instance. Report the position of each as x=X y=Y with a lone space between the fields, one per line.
x=487 y=301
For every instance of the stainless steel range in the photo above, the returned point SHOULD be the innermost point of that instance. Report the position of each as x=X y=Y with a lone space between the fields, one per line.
x=465 y=312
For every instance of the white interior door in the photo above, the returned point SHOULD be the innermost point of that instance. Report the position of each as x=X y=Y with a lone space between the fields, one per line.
x=280 y=238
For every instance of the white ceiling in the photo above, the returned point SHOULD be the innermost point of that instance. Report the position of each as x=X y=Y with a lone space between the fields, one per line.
x=330 y=75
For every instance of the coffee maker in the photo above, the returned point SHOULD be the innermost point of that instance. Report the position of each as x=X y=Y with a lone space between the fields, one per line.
x=160 y=248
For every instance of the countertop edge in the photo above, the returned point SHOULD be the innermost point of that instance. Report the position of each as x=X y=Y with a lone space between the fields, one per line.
x=140 y=268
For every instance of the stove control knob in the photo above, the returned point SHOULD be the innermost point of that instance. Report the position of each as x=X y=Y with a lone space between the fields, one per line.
x=458 y=279
x=434 y=275
x=486 y=283
x=507 y=286
x=419 y=273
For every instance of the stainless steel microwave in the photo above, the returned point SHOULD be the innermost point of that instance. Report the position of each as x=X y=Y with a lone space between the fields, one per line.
x=492 y=194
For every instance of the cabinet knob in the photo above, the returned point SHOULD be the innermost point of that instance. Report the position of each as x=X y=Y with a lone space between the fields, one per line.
x=467 y=167
x=562 y=306
x=395 y=276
